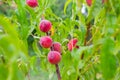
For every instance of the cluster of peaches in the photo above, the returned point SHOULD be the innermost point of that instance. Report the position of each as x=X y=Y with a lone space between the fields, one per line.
x=34 y=3
x=54 y=56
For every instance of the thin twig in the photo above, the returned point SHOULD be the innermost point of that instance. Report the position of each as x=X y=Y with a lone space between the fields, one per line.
x=87 y=33
x=89 y=58
x=58 y=71
x=86 y=37
x=3 y=59
x=85 y=43
x=35 y=37
x=88 y=42
x=57 y=67
x=90 y=65
x=28 y=76
x=42 y=18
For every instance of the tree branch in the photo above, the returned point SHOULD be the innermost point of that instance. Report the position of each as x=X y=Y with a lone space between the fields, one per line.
x=3 y=59
x=87 y=36
x=58 y=71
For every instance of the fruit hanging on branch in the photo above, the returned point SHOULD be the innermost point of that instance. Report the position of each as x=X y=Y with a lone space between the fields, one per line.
x=54 y=57
x=56 y=46
x=72 y=44
x=45 y=26
x=89 y=2
x=32 y=3
x=46 y=42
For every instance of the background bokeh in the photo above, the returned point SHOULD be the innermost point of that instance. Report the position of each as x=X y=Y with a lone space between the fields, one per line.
x=96 y=27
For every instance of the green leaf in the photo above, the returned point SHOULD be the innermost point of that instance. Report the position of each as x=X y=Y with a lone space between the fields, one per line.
x=108 y=60
x=66 y=4
x=3 y=72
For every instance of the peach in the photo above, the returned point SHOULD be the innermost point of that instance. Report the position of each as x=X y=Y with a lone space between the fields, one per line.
x=72 y=44
x=45 y=25
x=54 y=57
x=45 y=41
x=56 y=46
x=32 y=3
x=89 y=2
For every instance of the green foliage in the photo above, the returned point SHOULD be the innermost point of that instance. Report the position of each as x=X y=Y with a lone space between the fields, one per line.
x=108 y=60
x=98 y=56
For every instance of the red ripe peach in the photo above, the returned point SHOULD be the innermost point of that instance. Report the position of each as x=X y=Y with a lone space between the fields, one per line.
x=56 y=46
x=32 y=3
x=45 y=25
x=45 y=41
x=72 y=44
x=89 y=2
x=54 y=57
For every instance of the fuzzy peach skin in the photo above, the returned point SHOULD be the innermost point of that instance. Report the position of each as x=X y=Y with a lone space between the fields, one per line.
x=32 y=3
x=89 y=2
x=45 y=25
x=56 y=46
x=72 y=44
x=54 y=57
x=45 y=42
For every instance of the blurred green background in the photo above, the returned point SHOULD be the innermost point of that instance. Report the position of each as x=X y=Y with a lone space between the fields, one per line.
x=97 y=29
